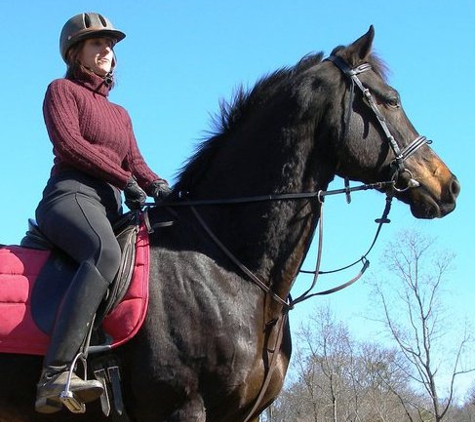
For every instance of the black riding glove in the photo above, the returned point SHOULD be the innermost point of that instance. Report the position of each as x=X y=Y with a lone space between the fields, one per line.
x=135 y=196
x=159 y=190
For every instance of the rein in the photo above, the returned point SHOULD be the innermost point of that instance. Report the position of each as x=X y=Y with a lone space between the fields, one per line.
x=320 y=195
x=183 y=202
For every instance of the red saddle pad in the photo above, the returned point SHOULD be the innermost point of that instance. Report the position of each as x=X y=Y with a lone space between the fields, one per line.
x=19 y=269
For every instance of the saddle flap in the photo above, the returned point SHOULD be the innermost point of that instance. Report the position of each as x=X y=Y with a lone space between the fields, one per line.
x=127 y=239
x=51 y=285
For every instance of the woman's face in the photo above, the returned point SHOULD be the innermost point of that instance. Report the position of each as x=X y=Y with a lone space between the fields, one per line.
x=97 y=55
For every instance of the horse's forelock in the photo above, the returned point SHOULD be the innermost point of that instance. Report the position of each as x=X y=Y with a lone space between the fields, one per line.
x=379 y=66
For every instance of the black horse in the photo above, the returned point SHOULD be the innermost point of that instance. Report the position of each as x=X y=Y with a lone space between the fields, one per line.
x=206 y=345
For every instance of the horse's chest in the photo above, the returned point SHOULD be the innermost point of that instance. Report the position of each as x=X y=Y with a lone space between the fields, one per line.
x=204 y=324
x=224 y=349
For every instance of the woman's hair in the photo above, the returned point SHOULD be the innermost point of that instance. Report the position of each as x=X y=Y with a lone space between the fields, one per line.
x=74 y=66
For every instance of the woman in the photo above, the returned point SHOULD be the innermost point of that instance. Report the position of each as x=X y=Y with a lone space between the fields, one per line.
x=95 y=158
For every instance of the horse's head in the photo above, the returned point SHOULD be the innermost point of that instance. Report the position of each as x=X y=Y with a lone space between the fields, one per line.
x=375 y=139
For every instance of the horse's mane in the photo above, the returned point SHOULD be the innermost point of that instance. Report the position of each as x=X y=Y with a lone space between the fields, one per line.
x=243 y=104
x=233 y=113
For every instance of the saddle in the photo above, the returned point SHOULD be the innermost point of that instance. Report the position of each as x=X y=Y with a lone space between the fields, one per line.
x=35 y=275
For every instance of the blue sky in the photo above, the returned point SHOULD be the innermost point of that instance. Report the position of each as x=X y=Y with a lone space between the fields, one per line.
x=181 y=57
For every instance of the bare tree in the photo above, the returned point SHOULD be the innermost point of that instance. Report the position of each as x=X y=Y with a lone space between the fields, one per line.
x=470 y=399
x=383 y=374
x=340 y=379
x=327 y=346
x=411 y=299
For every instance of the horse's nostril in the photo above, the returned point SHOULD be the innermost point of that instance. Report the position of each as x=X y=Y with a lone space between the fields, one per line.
x=455 y=188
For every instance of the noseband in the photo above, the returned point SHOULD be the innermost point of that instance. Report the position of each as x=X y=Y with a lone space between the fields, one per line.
x=397 y=166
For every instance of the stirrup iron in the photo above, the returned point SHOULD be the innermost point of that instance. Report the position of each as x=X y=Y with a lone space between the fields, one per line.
x=72 y=402
x=67 y=397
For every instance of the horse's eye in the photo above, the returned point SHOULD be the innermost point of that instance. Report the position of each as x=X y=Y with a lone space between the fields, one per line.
x=394 y=102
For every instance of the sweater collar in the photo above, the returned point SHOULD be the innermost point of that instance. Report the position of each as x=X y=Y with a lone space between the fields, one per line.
x=93 y=82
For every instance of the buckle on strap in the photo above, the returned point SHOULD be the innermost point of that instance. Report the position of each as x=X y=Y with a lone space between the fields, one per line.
x=106 y=370
x=346 y=69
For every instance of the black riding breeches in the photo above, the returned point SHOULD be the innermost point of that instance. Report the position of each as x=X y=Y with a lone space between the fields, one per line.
x=76 y=214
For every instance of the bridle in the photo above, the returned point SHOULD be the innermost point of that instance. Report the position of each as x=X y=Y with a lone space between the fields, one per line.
x=397 y=166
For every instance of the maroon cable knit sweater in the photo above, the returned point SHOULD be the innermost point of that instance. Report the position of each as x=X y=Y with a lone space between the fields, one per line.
x=91 y=134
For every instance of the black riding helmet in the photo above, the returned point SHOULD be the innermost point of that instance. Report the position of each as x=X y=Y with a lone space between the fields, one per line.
x=86 y=25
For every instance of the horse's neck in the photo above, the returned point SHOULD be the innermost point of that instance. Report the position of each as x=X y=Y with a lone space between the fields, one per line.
x=291 y=229
x=271 y=238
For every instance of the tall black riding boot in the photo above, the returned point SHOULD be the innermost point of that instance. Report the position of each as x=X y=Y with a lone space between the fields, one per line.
x=71 y=328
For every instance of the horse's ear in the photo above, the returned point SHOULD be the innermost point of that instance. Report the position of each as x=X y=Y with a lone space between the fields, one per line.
x=359 y=51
